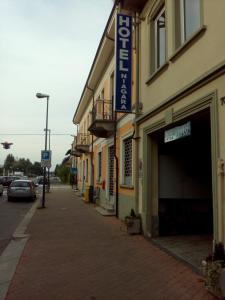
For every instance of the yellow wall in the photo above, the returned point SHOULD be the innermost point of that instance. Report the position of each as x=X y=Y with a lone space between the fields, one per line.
x=204 y=53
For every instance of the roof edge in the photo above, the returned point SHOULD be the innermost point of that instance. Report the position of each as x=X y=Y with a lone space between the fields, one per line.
x=95 y=58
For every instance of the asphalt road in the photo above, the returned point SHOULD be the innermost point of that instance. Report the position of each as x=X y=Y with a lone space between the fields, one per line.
x=11 y=214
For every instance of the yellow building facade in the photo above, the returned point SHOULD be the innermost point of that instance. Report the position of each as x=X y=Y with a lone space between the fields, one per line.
x=170 y=152
x=181 y=129
x=106 y=166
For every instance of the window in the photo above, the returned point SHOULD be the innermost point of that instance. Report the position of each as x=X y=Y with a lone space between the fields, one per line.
x=83 y=171
x=158 y=40
x=187 y=19
x=112 y=86
x=127 y=158
x=99 y=170
x=102 y=95
x=86 y=175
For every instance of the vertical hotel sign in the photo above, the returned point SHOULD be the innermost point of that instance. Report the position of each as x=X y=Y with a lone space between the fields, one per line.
x=123 y=63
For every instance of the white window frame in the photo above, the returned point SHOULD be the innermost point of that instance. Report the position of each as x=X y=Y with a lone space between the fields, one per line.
x=156 y=39
x=181 y=21
x=156 y=12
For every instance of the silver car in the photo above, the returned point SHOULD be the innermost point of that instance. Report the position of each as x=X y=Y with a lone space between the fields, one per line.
x=21 y=189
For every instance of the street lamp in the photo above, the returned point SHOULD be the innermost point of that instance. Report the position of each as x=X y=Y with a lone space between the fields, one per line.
x=49 y=136
x=40 y=95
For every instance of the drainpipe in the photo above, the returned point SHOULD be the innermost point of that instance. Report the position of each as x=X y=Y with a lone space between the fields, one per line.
x=136 y=127
x=92 y=153
x=117 y=166
x=220 y=235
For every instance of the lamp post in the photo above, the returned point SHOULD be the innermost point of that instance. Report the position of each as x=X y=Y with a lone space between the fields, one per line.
x=40 y=95
x=48 y=187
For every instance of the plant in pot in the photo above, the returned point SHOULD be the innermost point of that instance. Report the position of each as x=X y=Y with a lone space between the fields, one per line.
x=133 y=223
x=213 y=270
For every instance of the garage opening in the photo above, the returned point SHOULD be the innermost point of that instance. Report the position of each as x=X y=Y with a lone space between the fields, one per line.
x=185 y=177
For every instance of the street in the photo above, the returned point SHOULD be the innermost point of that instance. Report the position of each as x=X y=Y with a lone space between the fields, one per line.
x=73 y=252
x=11 y=214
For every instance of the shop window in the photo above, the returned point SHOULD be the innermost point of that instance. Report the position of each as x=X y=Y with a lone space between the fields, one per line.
x=127 y=161
x=158 y=40
x=187 y=20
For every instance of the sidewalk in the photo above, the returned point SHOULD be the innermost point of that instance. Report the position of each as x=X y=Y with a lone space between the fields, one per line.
x=75 y=253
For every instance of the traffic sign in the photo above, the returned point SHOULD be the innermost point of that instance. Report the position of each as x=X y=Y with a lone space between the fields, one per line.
x=46 y=158
x=45 y=155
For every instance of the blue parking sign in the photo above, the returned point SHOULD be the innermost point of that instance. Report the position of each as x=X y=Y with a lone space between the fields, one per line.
x=45 y=155
x=46 y=158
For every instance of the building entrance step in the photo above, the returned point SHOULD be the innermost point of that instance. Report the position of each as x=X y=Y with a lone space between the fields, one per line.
x=105 y=212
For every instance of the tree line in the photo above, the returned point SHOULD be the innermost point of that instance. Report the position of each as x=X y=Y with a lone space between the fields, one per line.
x=12 y=165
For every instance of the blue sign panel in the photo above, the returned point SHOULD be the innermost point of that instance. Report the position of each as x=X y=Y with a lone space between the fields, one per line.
x=45 y=155
x=73 y=170
x=123 y=63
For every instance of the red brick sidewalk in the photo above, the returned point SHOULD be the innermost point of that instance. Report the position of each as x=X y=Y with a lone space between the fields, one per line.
x=75 y=253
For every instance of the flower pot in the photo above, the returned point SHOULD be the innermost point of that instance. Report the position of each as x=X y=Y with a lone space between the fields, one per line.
x=133 y=225
x=215 y=278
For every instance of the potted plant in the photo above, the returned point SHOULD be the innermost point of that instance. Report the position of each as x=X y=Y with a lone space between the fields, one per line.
x=133 y=223
x=214 y=271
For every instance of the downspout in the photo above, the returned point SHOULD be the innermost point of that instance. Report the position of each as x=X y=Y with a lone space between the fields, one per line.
x=137 y=104
x=92 y=153
x=117 y=166
x=115 y=131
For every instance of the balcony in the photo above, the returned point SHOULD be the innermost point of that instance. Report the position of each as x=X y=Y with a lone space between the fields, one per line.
x=102 y=120
x=76 y=153
x=133 y=5
x=82 y=143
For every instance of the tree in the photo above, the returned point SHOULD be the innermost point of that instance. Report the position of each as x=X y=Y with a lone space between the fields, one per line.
x=9 y=162
x=63 y=172
x=36 y=168
x=24 y=165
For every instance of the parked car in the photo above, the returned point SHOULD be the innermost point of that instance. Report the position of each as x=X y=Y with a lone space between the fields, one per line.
x=55 y=180
x=21 y=189
x=40 y=180
x=1 y=189
x=6 y=180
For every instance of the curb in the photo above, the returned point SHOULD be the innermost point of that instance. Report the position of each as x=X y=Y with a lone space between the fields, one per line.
x=12 y=253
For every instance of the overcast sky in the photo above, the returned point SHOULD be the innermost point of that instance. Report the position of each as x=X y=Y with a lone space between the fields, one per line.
x=46 y=46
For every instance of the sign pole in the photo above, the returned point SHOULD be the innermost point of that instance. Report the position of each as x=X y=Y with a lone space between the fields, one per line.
x=44 y=175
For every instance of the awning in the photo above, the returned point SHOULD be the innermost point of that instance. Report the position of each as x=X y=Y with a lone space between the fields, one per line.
x=68 y=152
x=65 y=160
x=76 y=153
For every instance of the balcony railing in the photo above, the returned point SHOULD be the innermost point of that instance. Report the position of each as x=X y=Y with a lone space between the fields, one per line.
x=102 y=110
x=102 y=119
x=83 y=142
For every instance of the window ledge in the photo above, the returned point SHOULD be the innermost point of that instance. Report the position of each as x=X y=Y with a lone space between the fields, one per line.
x=188 y=43
x=129 y=187
x=158 y=72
